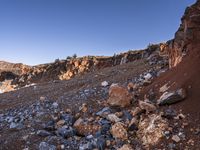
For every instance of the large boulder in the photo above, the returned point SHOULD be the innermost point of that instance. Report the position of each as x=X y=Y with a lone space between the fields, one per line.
x=119 y=96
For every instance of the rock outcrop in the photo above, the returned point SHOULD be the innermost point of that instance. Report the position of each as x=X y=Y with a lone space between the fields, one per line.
x=69 y=68
x=12 y=70
x=189 y=31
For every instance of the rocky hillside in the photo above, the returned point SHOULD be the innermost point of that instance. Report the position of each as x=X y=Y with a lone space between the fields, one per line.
x=125 y=102
x=22 y=75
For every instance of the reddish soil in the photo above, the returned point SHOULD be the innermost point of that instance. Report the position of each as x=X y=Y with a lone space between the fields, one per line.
x=185 y=75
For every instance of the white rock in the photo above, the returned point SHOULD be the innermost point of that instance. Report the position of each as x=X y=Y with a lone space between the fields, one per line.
x=104 y=83
x=164 y=88
x=55 y=105
x=148 y=76
x=113 y=118
x=62 y=146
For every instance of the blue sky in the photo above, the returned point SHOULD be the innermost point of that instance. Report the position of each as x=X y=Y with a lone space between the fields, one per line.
x=39 y=31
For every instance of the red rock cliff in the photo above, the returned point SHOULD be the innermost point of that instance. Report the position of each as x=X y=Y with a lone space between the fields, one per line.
x=188 y=32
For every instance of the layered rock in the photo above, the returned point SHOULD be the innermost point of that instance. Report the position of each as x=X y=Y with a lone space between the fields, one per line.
x=189 y=31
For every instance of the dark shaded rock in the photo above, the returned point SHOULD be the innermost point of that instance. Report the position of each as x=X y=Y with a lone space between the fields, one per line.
x=127 y=115
x=169 y=113
x=66 y=133
x=50 y=125
x=43 y=133
x=69 y=119
x=46 y=146
x=14 y=125
x=172 y=97
x=101 y=143
x=104 y=112
x=104 y=121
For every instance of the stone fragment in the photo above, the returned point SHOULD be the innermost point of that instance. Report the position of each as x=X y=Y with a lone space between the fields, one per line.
x=180 y=116
x=42 y=98
x=55 y=105
x=172 y=97
x=43 y=133
x=85 y=128
x=113 y=118
x=119 y=96
x=66 y=133
x=46 y=146
x=60 y=123
x=131 y=86
x=83 y=108
x=104 y=83
x=136 y=111
x=176 y=138
x=104 y=112
x=147 y=76
x=68 y=118
x=50 y=125
x=118 y=131
x=101 y=143
x=150 y=129
x=133 y=125
x=14 y=125
x=169 y=113
x=164 y=88
x=147 y=106
x=125 y=147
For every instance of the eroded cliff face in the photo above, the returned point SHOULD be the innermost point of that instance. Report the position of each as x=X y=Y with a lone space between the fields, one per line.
x=12 y=70
x=188 y=32
x=69 y=68
x=22 y=75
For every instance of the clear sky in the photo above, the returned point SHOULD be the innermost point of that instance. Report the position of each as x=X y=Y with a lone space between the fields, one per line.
x=39 y=31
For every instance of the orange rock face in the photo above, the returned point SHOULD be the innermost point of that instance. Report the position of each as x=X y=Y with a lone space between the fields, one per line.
x=119 y=96
x=189 y=31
